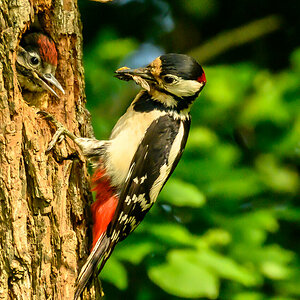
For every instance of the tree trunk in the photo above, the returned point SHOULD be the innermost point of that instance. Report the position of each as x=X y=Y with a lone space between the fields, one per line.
x=43 y=198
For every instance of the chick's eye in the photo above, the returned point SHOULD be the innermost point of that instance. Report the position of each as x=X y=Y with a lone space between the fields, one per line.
x=34 y=60
x=169 y=79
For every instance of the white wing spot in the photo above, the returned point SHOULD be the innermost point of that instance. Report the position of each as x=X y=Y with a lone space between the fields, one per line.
x=130 y=172
x=115 y=235
x=128 y=200
x=143 y=178
x=133 y=224
x=134 y=198
x=146 y=155
x=136 y=180
x=143 y=202
x=122 y=217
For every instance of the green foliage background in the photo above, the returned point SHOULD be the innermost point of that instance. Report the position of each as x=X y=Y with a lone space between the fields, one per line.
x=227 y=224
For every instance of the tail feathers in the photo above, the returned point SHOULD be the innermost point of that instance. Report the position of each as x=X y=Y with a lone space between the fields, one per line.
x=89 y=267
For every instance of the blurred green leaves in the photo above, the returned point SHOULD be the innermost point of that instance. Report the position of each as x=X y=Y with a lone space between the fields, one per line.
x=104 y=92
x=277 y=178
x=115 y=273
x=184 y=277
x=180 y=193
x=224 y=224
x=104 y=57
x=199 y=8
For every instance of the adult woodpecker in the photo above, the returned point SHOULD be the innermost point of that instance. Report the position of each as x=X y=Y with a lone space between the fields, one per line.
x=36 y=63
x=142 y=152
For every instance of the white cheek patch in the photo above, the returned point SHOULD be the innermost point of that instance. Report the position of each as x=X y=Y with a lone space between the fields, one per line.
x=184 y=88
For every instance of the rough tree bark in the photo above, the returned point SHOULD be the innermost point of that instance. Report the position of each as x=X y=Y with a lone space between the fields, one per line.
x=43 y=198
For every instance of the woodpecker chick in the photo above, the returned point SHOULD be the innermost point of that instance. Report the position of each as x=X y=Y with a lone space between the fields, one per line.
x=36 y=64
x=142 y=152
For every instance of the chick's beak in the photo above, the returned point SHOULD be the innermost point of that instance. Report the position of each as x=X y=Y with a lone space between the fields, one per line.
x=49 y=78
x=126 y=73
x=44 y=81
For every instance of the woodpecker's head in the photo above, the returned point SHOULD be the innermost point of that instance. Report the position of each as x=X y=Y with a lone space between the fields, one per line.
x=172 y=79
x=36 y=63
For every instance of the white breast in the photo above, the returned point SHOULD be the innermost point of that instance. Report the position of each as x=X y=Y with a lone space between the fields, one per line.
x=124 y=141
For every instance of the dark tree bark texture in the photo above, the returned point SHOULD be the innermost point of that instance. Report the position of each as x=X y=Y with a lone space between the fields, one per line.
x=43 y=198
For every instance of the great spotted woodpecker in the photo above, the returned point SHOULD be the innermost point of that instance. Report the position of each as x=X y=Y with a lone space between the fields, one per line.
x=36 y=63
x=142 y=152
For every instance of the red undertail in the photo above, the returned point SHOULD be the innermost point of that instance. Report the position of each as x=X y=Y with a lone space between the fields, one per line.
x=104 y=207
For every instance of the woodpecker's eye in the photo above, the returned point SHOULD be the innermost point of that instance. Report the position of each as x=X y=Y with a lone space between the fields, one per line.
x=169 y=79
x=34 y=61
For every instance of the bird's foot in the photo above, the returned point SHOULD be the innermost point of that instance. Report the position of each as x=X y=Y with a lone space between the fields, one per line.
x=60 y=132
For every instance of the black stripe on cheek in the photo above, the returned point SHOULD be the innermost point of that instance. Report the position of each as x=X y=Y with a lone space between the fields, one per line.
x=146 y=103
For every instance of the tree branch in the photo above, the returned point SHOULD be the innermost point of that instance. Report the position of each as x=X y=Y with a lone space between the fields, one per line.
x=235 y=37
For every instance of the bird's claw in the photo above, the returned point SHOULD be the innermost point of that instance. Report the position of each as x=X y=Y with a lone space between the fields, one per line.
x=50 y=118
x=60 y=132
x=57 y=138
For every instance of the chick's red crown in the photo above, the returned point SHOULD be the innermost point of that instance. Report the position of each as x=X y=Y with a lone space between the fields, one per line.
x=47 y=49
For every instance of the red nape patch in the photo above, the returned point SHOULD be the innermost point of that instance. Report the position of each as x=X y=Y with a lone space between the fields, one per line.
x=47 y=49
x=202 y=78
x=103 y=209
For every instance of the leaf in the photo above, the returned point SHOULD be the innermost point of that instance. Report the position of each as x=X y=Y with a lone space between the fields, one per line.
x=295 y=59
x=278 y=178
x=226 y=267
x=180 y=193
x=182 y=278
x=274 y=270
x=230 y=87
x=115 y=273
x=173 y=234
x=248 y=296
x=201 y=138
x=136 y=252
x=217 y=236
x=238 y=184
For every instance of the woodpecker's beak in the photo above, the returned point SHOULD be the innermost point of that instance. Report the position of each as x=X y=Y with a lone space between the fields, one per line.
x=44 y=79
x=51 y=79
x=127 y=74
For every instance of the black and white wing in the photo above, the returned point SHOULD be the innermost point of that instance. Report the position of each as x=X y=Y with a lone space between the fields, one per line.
x=151 y=166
